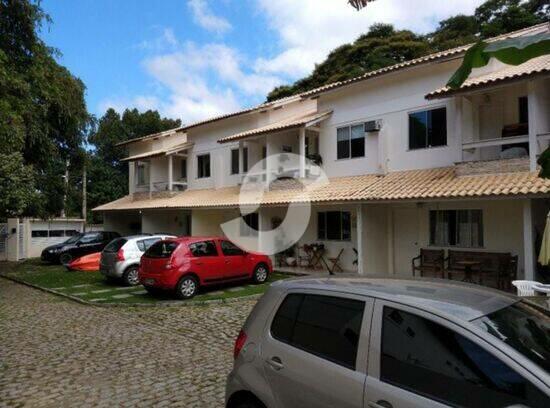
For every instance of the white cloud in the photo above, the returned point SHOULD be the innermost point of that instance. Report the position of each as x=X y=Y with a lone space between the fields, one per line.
x=199 y=82
x=166 y=40
x=308 y=30
x=204 y=17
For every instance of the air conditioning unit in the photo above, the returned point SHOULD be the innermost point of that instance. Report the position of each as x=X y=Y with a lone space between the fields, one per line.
x=372 y=126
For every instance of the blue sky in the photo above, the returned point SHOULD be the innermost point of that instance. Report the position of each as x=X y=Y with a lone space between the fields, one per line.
x=192 y=59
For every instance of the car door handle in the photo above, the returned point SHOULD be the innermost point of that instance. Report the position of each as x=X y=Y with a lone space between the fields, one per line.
x=227 y=261
x=276 y=363
x=198 y=263
x=380 y=404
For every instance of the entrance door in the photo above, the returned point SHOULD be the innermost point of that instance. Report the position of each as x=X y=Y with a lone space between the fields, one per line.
x=405 y=239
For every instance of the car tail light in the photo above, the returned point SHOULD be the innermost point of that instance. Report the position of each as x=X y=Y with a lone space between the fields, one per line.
x=239 y=343
x=120 y=255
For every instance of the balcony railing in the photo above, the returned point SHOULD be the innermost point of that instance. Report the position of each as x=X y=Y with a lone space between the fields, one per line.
x=499 y=141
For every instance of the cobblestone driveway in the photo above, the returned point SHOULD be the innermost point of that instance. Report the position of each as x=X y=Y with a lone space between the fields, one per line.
x=58 y=353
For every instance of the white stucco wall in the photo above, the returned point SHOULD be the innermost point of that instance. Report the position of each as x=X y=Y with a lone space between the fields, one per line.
x=165 y=221
x=390 y=99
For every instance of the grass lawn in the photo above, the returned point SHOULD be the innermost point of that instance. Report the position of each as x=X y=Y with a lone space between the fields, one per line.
x=93 y=287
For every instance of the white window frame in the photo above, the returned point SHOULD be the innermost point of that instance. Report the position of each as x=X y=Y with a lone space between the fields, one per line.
x=349 y=127
x=426 y=109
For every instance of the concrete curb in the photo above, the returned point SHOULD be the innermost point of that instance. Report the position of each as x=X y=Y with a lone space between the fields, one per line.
x=171 y=303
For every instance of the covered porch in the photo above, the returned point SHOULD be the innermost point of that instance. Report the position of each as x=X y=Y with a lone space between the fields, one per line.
x=331 y=229
x=501 y=113
x=148 y=221
x=489 y=242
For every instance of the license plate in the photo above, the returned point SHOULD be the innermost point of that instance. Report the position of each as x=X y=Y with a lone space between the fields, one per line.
x=149 y=282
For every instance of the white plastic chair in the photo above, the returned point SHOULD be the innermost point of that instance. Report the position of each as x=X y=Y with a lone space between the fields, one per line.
x=525 y=287
x=542 y=288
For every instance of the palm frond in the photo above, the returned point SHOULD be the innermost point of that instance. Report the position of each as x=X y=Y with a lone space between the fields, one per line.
x=359 y=4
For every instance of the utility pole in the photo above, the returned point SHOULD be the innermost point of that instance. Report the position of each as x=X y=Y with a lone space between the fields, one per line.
x=66 y=188
x=84 y=197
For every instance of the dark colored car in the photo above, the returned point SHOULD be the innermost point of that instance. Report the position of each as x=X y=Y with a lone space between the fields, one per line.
x=77 y=246
x=184 y=264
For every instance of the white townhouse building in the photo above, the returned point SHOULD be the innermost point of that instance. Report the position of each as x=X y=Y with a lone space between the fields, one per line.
x=411 y=165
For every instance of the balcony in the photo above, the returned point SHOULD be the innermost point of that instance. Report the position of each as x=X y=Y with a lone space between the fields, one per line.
x=159 y=172
x=283 y=148
x=507 y=123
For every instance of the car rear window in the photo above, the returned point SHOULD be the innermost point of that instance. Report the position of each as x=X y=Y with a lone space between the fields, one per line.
x=326 y=326
x=162 y=249
x=144 y=244
x=115 y=245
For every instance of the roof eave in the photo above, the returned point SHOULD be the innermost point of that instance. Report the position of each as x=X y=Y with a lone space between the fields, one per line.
x=484 y=86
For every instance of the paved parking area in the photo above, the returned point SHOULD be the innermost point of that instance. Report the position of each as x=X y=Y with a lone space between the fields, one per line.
x=54 y=352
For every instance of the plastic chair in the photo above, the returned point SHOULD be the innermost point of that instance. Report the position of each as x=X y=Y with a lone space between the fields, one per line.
x=525 y=287
x=542 y=288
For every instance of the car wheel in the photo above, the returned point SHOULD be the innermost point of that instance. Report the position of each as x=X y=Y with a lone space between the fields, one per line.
x=260 y=274
x=187 y=287
x=130 y=276
x=65 y=259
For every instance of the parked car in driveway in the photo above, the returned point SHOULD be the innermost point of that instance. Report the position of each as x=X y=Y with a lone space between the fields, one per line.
x=383 y=343
x=77 y=246
x=121 y=257
x=184 y=264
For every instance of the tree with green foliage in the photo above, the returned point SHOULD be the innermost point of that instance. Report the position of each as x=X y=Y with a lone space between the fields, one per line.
x=43 y=115
x=497 y=17
x=107 y=175
x=383 y=45
x=454 y=32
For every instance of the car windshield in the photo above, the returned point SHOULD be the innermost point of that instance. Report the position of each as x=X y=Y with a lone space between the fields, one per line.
x=523 y=327
x=73 y=239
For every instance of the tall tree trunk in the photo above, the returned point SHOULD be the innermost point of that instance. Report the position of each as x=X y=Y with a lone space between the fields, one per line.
x=84 y=196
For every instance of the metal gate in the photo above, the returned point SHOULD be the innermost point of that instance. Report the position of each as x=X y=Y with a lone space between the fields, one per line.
x=3 y=240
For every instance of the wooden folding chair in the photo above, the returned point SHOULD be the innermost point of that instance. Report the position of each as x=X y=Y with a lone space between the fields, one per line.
x=335 y=263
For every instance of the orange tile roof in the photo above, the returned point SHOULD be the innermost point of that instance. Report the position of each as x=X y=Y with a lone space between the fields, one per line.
x=285 y=124
x=440 y=183
x=536 y=66
x=160 y=152
x=158 y=135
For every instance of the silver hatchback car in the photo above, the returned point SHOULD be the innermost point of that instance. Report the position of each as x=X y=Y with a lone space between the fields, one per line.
x=120 y=258
x=383 y=343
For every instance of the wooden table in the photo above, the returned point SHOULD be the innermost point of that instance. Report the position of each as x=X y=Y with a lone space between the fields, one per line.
x=468 y=265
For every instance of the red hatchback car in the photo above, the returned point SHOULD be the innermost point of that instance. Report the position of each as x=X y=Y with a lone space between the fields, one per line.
x=185 y=264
